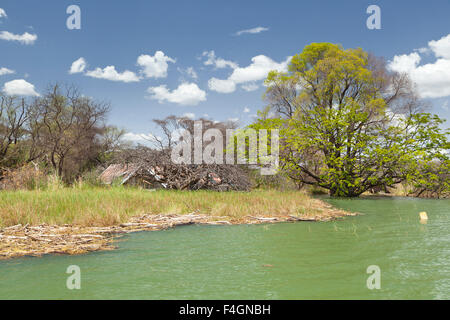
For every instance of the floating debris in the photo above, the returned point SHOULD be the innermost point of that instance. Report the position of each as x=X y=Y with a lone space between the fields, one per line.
x=423 y=215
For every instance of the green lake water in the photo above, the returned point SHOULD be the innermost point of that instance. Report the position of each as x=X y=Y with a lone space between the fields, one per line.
x=308 y=260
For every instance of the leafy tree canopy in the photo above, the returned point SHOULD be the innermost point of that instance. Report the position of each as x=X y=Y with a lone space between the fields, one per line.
x=348 y=124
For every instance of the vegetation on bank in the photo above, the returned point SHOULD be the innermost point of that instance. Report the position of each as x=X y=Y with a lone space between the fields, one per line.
x=349 y=125
x=95 y=206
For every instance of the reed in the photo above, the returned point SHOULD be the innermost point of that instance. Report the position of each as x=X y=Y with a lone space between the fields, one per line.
x=102 y=206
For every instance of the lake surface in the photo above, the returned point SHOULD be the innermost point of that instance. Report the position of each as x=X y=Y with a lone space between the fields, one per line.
x=306 y=260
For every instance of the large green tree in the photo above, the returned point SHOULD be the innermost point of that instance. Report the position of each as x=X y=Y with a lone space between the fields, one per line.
x=348 y=124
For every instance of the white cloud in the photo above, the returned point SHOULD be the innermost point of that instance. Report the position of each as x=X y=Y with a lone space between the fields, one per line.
x=189 y=115
x=246 y=110
x=258 y=69
x=441 y=47
x=19 y=87
x=248 y=76
x=26 y=38
x=154 y=66
x=185 y=94
x=3 y=13
x=218 y=63
x=4 y=71
x=423 y=50
x=405 y=62
x=190 y=71
x=250 y=87
x=222 y=86
x=252 y=30
x=78 y=66
x=151 y=67
x=432 y=79
x=110 y=73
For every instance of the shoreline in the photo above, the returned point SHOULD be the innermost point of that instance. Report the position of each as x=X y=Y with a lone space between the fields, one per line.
x=25 y=240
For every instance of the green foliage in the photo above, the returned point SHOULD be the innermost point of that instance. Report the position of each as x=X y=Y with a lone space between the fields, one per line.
x=347 y=125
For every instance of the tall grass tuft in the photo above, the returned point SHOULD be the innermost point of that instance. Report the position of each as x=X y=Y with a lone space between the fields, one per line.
x=54 y=183
x=93 y=206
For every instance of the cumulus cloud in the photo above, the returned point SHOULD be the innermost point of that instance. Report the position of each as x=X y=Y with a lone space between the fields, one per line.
x=3 y=13
x=441 y=47
x=185 y=94
x=405 y=62
x=151 y=67
x=19 y=87
x=221 y=85
x=110 y=73
x=258 y=69
x=246 y=110
x=252 y=30
x=78 y=66
x=218 y=63
x=432 y=79
x=248 y=76
x=26 y=38
x=154 y=66
x=4 y=71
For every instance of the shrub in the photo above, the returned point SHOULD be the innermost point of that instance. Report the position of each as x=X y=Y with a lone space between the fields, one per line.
x=27 y=177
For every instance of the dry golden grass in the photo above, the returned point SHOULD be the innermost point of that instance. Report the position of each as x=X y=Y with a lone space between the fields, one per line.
x=109 y=206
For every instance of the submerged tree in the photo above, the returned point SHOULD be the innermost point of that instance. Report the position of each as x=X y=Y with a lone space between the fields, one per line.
x=347 y=124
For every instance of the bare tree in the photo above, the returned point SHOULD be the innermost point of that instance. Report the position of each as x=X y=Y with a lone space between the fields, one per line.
x=65 y=126
x=17 y=142
x=13 y=116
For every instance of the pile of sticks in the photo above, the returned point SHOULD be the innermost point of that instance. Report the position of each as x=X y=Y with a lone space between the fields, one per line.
x=158 y=166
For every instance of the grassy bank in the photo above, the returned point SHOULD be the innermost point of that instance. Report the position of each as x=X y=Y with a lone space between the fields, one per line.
x=84 y=219
x=111 y=206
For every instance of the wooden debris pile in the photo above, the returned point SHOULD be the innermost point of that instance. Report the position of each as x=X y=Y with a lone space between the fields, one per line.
x=153 y=169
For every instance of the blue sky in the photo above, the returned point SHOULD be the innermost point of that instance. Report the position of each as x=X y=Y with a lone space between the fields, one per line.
x=160 y=53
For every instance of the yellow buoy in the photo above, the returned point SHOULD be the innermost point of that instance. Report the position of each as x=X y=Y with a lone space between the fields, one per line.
x=423 y=215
